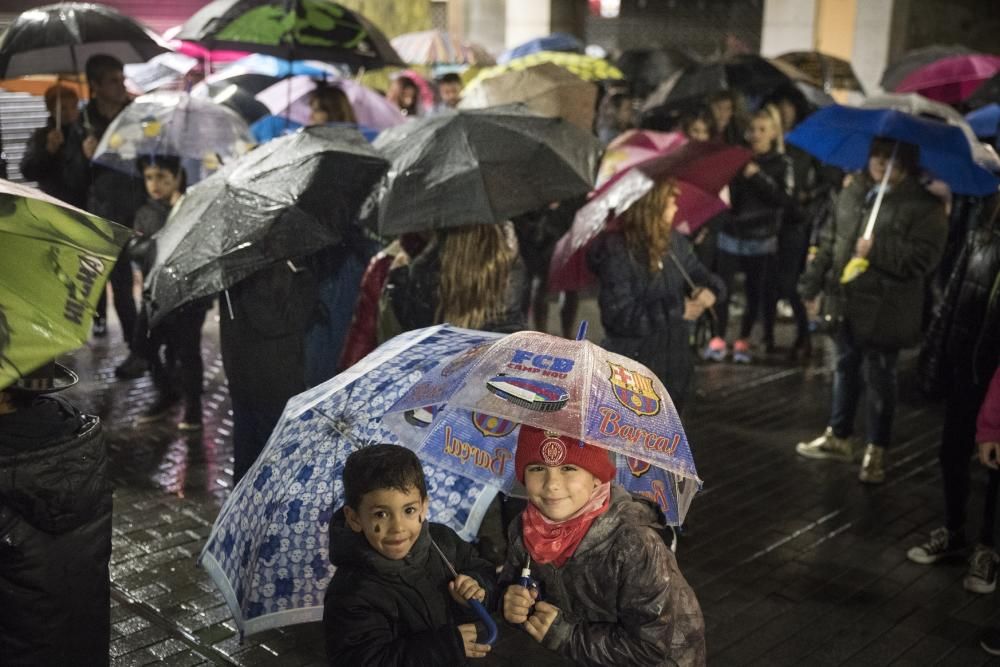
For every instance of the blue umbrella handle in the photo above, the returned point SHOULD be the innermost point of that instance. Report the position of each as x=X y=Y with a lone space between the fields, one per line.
x=484 y=616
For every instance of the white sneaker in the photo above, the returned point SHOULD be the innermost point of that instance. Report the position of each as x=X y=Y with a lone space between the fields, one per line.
x=827 y=447
x=982 y=574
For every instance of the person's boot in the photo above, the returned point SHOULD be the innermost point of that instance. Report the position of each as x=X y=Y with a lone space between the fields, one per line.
x=133 y=367
x=873 y=465
x=192 y=417
x=827 y=447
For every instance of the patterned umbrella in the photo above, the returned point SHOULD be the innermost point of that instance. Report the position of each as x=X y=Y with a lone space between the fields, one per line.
x=291 y=29
x=585 y=67
x=825 y=71
x=268 y=551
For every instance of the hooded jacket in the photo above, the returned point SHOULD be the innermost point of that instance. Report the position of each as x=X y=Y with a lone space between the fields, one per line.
x=380 y=612
x=762 y=201
x=65 y=174
x=884 y=305
x=622 y=599
x=55 y=537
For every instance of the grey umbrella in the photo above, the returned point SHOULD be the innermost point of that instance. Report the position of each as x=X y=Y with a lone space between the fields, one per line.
x=291 y=197
x=478 y=167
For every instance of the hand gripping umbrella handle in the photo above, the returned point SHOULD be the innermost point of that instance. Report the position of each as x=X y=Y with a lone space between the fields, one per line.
x=487 y=620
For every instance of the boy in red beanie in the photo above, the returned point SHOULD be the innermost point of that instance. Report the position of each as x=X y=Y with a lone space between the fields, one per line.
x=611 y=591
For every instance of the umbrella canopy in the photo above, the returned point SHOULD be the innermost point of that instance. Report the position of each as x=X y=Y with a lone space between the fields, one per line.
x=54 y=261
x=477 y=167
x=58 y=39
x=438 y=47
x=951 y=80
x=573 y=388
x=166 y=69
x=291 y=29
x=631 y=168
x=918 y=105
x=268 y=550
x=202 y=133
x=824 y=71
x=546 y=89
x=916 y=58
x=842 y=137
x=748 y=74
x=585 y=67
x=985 y=121
x=290 y=197
x=290 y=98
x=646 y=69
x=557 y=41
x=238 y=92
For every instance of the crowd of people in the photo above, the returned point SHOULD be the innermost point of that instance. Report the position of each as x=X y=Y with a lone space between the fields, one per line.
x=792 y=228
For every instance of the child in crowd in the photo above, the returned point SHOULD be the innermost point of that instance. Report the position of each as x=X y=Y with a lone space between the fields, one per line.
x=610 y=591
x=392 y=600
x=178 y=337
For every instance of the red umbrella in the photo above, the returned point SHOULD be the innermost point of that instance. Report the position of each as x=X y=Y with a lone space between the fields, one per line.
x=701 y=169
x=951 y=80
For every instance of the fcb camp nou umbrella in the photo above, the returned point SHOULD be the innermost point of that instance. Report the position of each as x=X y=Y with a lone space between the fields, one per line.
x=292 y=29
x=58 y=39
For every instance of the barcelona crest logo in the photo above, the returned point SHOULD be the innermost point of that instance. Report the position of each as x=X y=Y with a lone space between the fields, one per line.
x=637 y=466
x=492 y=427
x=634 y=390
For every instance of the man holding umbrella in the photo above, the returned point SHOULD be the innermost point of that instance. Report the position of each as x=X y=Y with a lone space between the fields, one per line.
x=886 y=236
x=112 y=194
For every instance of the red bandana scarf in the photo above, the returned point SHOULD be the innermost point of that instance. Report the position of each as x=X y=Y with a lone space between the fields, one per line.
x=555 y=542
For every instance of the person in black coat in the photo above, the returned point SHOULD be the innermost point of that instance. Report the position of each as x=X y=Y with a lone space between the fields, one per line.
x=645 y=300
x=54 y=155
x=958 y=359
x=392 y=600
x=55 y=527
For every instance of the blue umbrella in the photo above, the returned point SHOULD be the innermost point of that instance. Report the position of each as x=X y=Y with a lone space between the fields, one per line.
x=268 y=551
x=557 y=41
x=271 y=127
x=985 y=121
x=842 y=136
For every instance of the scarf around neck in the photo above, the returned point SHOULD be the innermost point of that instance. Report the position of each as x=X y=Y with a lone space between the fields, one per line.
x=555 y=542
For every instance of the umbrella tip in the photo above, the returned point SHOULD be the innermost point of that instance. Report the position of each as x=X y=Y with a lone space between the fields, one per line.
x=581 y=332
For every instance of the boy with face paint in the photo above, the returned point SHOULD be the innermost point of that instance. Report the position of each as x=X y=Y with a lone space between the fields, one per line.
x=611 y=591
x=392 y=599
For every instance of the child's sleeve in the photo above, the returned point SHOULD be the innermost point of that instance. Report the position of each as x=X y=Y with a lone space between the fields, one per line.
x=647 y=620
x=361 y=633
x=468 y=562
x=988 y=423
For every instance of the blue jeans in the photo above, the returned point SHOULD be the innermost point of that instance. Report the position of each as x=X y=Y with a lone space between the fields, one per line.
x=879 y=381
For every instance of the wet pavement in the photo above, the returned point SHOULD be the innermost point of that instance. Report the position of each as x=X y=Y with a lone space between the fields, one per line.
x=794 y=561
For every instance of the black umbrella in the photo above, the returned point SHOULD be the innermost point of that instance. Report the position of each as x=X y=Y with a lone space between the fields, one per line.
x=290 y=197
x=748 y=74
x=58 y=39
x=917 y=58
x=646 y=69
x=293 y=30
x=478 y=167
x=825 y=71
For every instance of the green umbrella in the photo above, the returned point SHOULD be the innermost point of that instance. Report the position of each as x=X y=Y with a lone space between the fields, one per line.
x=54 y=261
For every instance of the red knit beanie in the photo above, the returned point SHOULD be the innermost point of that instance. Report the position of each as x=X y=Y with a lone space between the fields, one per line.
x=548 y=448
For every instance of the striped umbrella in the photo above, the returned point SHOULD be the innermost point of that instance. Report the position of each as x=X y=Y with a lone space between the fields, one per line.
x=437 y=47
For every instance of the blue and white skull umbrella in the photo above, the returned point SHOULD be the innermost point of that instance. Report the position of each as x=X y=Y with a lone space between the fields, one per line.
x=573 y=388
x=268 y=551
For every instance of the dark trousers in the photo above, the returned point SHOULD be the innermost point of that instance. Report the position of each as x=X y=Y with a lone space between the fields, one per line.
x=760 y=291
x=121 y=290
x=177 y=343
x=872 y=370
x=793 y=244
x=252 y=426
x=958 y=442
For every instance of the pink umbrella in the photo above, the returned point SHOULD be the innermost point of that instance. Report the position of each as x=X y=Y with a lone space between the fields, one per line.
x=426 y=92
x=290 y=98
x=951 y=80
x=196 y=50
x=701 y=169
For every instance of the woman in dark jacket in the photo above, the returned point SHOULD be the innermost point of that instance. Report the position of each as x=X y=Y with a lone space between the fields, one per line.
x=467 y=276
x=55 y=528
x=54 y=156
x=645 y=301
x=960 y=355
x=748 y=242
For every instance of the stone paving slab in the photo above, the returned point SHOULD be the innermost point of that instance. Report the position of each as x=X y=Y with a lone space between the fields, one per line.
x=794 y=561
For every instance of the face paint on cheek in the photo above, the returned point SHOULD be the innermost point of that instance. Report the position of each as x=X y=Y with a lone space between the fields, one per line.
x=377 y=529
